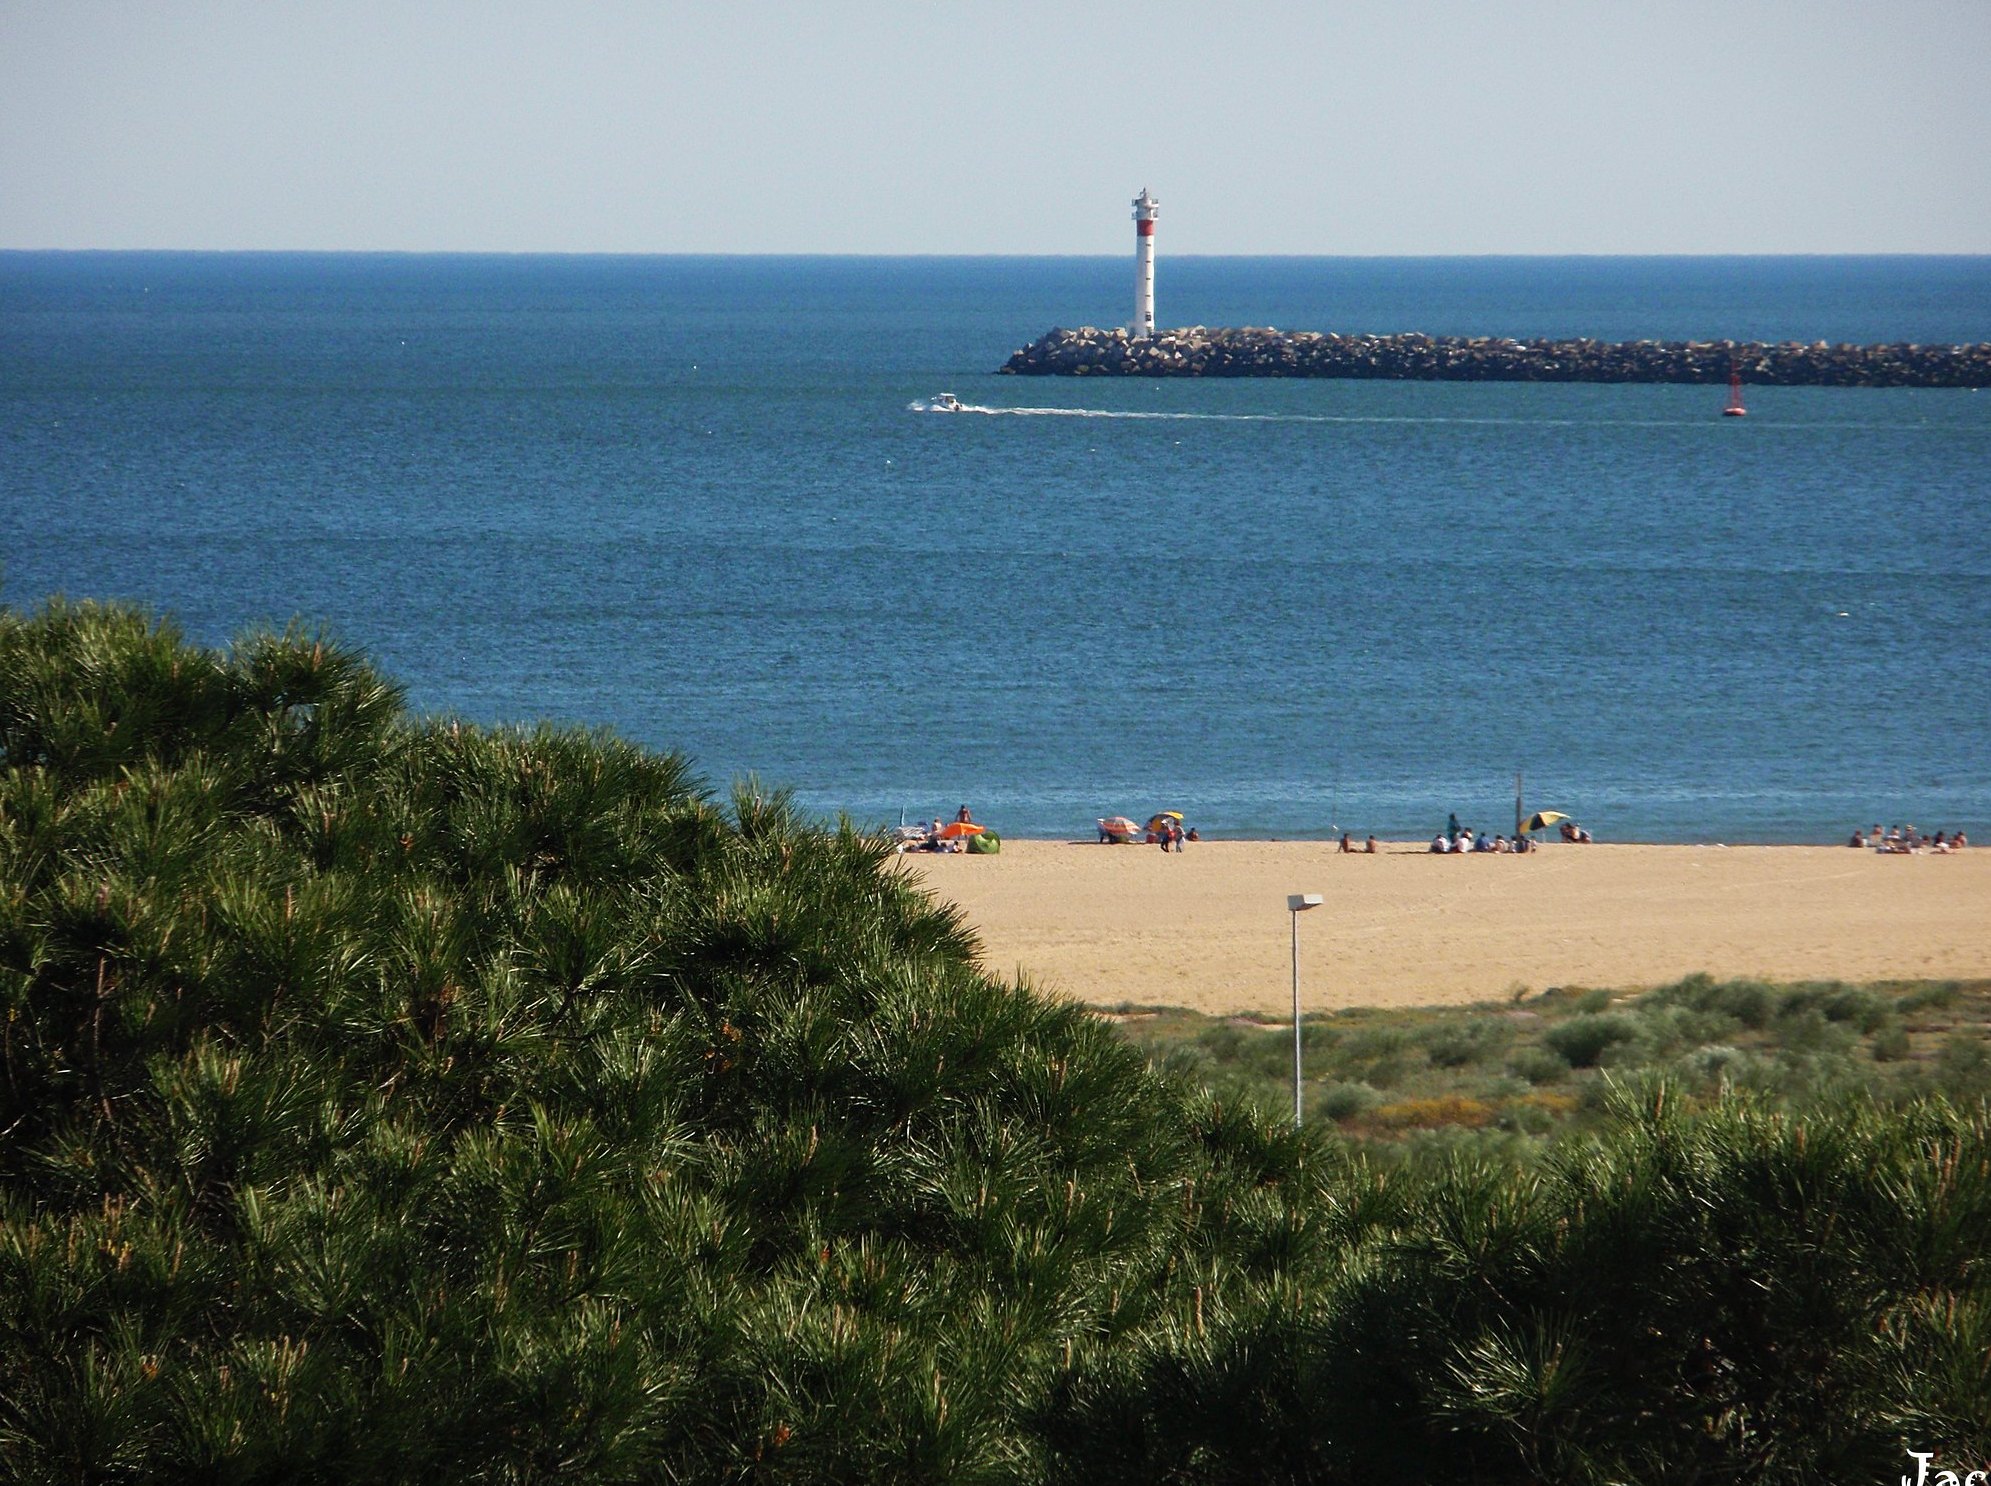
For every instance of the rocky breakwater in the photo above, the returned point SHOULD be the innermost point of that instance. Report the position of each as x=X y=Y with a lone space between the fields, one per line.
x=1201 y=352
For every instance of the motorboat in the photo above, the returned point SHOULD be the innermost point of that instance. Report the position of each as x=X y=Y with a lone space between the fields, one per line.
x=944 y=402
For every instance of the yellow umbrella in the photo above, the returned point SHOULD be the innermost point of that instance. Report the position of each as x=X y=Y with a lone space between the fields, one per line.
x=1541 y=819
x=1155 y=820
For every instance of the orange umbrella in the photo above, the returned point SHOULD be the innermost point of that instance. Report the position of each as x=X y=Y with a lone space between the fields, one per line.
x=955 y=830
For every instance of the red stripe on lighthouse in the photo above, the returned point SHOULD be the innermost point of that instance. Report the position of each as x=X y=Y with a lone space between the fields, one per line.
x=1146 y=229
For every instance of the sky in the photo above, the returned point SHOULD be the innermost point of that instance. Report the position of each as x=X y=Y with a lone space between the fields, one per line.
x=884 y=126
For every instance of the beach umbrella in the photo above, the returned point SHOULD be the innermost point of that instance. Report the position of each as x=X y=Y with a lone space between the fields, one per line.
x=1118 y=825
x=955 y=830
x=1541 y=819
x=1155 y=820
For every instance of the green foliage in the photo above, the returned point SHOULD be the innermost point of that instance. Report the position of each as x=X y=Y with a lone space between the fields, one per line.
x=393 y=1100
x=1538 y=1065
x=1510 y=1322
x=1583 y=1040
x=1344 y=1101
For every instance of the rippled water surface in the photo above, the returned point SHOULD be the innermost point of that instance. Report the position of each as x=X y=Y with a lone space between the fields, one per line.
x=692 y=499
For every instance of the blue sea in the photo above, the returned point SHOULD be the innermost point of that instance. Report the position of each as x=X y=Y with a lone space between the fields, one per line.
x=690 y=499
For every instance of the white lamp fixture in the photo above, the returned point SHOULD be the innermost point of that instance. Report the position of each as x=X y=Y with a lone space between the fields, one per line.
x=1297 y=904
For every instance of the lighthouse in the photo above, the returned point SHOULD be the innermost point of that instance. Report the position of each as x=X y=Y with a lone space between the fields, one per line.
x=1144 y=264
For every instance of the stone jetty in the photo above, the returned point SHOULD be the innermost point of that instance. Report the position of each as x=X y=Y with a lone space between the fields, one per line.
x=1201 y=352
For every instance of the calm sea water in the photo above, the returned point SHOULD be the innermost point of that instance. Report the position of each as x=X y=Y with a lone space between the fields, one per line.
x=687 y=498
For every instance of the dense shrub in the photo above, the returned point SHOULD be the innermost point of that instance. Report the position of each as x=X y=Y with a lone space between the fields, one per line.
x=1582 y=1040
x=1454 y=1045
x=1890 y=1042
x=1654 y=1304
x=1343 y=1101
x=1539 y=1065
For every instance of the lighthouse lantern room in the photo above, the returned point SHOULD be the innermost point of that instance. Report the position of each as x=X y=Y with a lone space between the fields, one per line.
x=1144 y=264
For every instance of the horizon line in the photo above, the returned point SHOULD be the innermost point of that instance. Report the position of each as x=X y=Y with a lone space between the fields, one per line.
x=988 y=256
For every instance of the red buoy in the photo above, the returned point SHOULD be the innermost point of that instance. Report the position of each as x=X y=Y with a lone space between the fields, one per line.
x=1734 y=408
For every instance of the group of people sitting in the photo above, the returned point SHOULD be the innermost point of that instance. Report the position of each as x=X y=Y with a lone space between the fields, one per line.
x=1902 y=840
x=1444 y=842
x=1348 y=845
x=937 y=837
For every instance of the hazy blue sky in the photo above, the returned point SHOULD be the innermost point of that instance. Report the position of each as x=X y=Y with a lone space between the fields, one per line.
x=879 y=126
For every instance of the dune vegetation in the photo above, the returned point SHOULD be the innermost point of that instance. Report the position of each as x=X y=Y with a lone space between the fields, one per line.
x=1537 y=1067
x=388 y=1099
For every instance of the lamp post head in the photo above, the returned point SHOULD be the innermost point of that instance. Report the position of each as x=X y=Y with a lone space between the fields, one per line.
x=1298 y=902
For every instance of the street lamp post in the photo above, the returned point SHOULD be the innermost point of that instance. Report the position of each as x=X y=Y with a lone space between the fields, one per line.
x=1296 y=904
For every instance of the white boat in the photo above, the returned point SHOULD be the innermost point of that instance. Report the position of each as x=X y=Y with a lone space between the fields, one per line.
x=944 y=402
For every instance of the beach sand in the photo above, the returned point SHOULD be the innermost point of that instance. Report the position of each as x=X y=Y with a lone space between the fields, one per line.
x=1208 y=929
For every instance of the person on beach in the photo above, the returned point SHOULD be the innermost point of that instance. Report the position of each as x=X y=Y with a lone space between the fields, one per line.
x=1194 y=834
x=1523 y=844
x=1439 y=845
x=1452 y=828
x=1370 y=848
x=963 y=817
x=1347 y=845
x=1859 y=840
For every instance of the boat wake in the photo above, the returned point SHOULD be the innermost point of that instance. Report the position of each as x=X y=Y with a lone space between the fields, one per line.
x=938 y=405
x=946 y=403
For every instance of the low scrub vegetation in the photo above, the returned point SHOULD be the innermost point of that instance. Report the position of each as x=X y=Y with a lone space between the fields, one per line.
x=383 y=1099
x=1542 y=1065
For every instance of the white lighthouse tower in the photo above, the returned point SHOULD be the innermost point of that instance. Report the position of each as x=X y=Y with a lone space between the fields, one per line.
x=1144 y=264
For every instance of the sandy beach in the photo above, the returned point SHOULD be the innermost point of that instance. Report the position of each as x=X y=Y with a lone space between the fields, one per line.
x=1208 y=928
